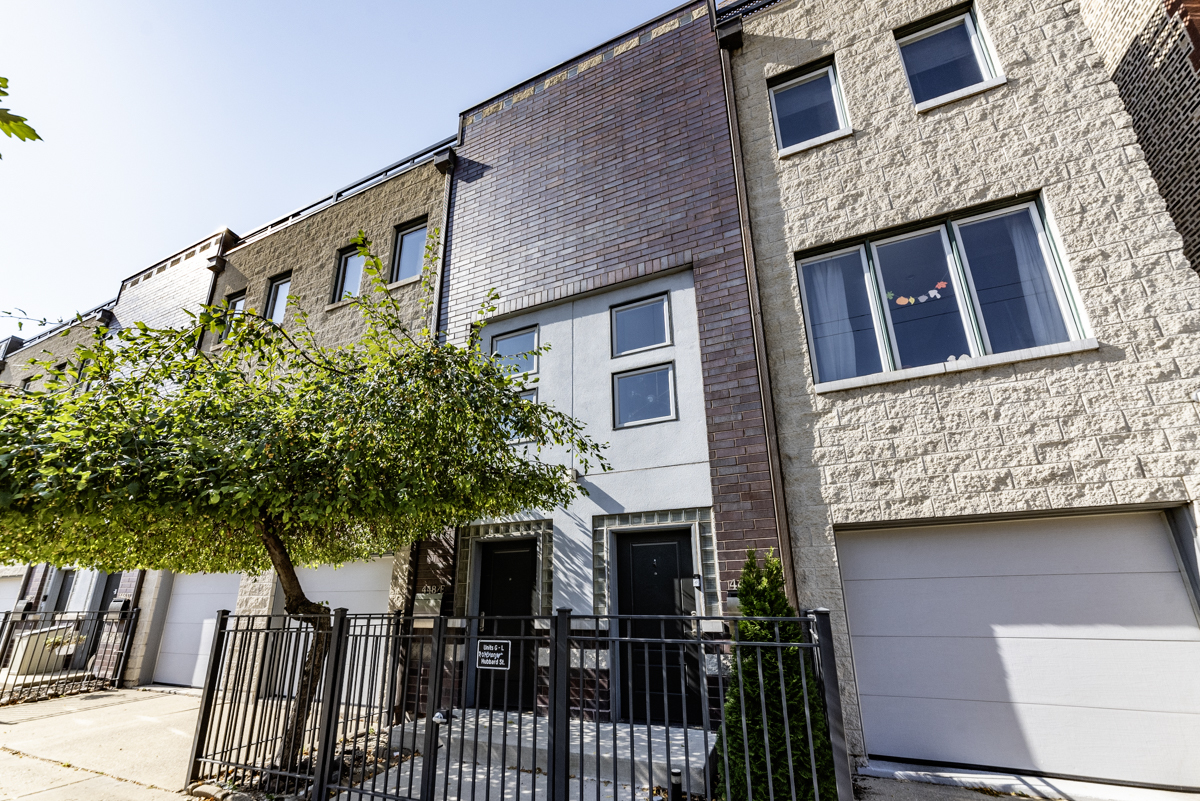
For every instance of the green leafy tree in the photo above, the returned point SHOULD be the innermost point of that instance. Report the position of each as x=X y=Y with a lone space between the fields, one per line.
x=775 y=680
x=10 y=124
x=271 y=450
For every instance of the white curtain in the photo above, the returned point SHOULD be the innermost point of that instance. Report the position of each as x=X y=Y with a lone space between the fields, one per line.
x=832 y=334
x=1045 y=317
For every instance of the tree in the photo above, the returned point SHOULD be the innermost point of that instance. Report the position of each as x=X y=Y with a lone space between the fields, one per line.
x=773 y=739
x=10 y=124
x=147 y=451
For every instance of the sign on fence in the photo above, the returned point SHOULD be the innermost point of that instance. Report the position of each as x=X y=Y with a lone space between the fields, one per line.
x=493 y=654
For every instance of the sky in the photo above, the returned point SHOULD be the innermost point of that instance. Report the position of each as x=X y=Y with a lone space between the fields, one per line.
x=166 y=121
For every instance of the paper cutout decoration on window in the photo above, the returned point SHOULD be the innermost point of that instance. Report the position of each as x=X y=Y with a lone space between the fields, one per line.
x=908 y=300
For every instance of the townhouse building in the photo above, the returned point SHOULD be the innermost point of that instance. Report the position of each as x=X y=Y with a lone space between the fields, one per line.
x=982 y=333
x=159 y=296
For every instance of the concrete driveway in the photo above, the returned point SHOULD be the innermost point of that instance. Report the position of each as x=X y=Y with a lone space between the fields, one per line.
x=126 y=745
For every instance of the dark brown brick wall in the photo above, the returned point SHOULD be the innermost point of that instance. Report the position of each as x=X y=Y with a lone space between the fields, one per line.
x=619 y=171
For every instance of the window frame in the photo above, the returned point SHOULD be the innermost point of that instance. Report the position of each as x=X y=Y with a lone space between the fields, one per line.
x=673 y=395
x=339 y=275
x=272 y=288
x=981 y=46
x=229 y=301
x=829 y=71
x=400 y=231
x=665 y=297
x=537 y=339
x=1065 y=290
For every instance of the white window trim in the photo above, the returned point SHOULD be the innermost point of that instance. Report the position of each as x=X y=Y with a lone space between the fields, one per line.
x=272 y=297
x=398 y=246
x=981 y=45
x=665 y=298
x=1056 y=279
x=340 y=279
x=839 y=104
x=616 y=396
x=1066 y=293
x=965 y=315
x=537 y=361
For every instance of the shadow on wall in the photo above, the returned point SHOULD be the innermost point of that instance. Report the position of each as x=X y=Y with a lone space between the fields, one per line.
x=1159 y=81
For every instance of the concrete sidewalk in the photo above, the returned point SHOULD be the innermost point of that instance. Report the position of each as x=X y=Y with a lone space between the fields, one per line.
x=127 y=745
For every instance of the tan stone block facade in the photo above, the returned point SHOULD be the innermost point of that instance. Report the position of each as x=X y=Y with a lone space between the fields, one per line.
x=1099 y=428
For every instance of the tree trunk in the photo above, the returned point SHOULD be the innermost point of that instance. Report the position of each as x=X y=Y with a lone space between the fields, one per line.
x=297 y=605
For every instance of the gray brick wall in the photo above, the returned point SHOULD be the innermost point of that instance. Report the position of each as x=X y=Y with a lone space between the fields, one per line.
x=1155 y=64
x=1103 y=428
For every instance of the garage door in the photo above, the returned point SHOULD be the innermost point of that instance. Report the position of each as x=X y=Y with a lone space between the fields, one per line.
x=10 y=588
x=1065 y=646
x=191 y=619
x=361 y=587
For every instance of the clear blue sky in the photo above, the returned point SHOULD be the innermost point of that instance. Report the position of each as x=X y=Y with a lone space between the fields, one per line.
x=166 y=120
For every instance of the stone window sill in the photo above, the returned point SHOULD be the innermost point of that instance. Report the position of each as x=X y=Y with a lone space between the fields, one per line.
x=339 y=304
x=403 y=282
x=809 y=144
x=1061 y=349
x=966 y=91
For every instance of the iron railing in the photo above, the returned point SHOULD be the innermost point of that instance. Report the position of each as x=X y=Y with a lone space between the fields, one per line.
x=48 y=654
x=557 y=707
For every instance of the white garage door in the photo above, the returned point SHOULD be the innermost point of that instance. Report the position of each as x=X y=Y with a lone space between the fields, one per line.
x=191 y=619
x=10 y=588
x=1065 y=646
x=361 y=587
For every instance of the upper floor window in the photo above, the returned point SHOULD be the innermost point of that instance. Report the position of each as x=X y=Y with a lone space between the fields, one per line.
x=967 y=287
x=641 y=325
x=236 y=303
x=277 y=297
x=644 y=396
x=409 y=257
x=808 y=110
x=349 y=275
x=513 y=350
x=947 y=60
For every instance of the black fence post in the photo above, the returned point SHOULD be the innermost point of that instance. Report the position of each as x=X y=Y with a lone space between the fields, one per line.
x=207 y=696
x=559 y=737
x=330 y=691
x=125 y=647
x=434 y=689
x=833 y=705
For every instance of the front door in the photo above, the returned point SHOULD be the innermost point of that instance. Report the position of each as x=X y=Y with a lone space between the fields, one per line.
x=654 y=572
x=507 y=588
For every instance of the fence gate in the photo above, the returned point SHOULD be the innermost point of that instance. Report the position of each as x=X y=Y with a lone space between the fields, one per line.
x=379 y=707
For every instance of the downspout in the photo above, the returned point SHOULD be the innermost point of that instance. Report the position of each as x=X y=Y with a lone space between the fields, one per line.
x=444 y=161
x=729 y=37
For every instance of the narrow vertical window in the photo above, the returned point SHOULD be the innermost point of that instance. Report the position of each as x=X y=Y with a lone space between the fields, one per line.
x=349 y=275
x=236 y=304
x=837 y=299
x=808 y=110
x=277 y=298
x=409 y=257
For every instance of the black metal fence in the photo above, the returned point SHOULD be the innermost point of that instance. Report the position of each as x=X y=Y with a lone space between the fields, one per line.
x=48 y=654
x=558 y=707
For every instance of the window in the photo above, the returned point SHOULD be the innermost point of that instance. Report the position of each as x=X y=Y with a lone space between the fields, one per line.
x=968 y=287
x=808 y=110
x=641 y=325
x=946 y=61
x=277 y=298
x=644 y=396
x=513 y=350
x=236 y=303
x=349 y=275
x=530 y=395
x=409 y=257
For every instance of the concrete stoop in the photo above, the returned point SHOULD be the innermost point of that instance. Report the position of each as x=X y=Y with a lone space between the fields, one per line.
x=1014 y=784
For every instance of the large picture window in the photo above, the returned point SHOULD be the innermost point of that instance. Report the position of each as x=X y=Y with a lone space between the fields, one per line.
x=967 y=287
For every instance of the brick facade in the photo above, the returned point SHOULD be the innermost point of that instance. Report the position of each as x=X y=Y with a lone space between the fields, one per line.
x=1105 y=428
x=1151 y=50
x=611 y=168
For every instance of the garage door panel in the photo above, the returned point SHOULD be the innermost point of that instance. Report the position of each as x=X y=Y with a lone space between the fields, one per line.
x=10 y=590
x=1118 y=606
x=361 y=587
x=1108 y=544
x=190 y=621
x=1063 y=672
x=1055 y=739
